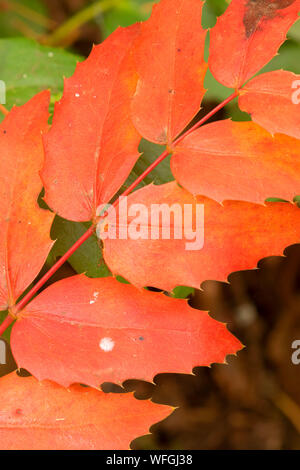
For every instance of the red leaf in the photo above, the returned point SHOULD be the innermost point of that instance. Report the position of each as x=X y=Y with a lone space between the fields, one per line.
x=238 y=160
x=273 y=100
x=247 y=36
x=24 y=227
x=44 y=416
x=97 y=330
x=92 y=145
x=169 y=57
x=236 y=236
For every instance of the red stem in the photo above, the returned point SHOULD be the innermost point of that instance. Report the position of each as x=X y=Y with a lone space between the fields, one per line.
x=6 y=323
x=177 y=141
x=51 y=271
x=207 y=117
x=146 y=173
x=9 y=319
x=20 y=305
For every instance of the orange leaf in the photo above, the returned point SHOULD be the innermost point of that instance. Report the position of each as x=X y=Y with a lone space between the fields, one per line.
x=24 y=227
x=273 y=100
x=247 y=36
x=97 y=330
x=236 y=236
x=44 y=416
x=92 y=145
x=238 y=160
x=169 y=57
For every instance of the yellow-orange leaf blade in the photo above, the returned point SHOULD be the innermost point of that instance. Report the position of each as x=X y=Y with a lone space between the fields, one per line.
x=169 y=57
x=273 y=100
x=24 y=227
x=92 y=145
x=97 y=330
x=247 y=36
x=236 y=236
x=44 y=416
x=238 y=160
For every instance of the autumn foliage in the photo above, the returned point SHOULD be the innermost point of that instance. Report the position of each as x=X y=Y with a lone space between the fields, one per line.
x=143 y=81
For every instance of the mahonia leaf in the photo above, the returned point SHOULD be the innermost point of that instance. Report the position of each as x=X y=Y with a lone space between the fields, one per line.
x=170 y=87
x=92 y=145
x=237 y=235
x=100 y=330
x=24 y=227
x=272 y=99
x=44 y=416
x=238 y=160
x=247 y=36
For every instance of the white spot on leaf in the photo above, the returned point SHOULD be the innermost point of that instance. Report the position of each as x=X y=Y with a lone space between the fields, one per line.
x=107 y=344
x=95 y=297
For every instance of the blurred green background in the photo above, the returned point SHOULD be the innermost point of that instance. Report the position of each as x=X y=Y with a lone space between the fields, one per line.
x=254 y=403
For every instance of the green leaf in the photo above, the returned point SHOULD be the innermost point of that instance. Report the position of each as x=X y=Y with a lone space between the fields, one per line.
x=287 y=59
x=88 y=258
x=182 y=292
x=212 y=9
x=294 y=32
x=7 y=332
x=27 y=68
x=218 y=6
x=125 y=13
x=149 y=153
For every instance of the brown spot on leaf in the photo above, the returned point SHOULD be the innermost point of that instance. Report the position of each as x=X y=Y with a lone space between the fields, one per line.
x=257 y=10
